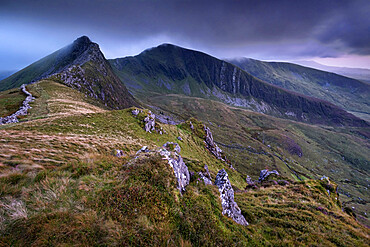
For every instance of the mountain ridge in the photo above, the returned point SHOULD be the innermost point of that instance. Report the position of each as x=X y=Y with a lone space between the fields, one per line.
x=347 y=93
x=80 y=65
x=75 y=172
x=171 y=69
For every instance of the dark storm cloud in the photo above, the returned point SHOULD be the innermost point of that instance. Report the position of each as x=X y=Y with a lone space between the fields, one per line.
x=291 y=28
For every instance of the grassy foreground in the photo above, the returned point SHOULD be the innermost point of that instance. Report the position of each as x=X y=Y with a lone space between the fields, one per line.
x=61 y=185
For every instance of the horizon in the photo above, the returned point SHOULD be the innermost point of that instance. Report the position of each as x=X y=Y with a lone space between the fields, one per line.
x=327 y=33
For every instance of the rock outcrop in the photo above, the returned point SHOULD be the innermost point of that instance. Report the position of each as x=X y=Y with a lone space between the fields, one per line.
x=212 y=146
x=179 y=167
x=149 y=122
x=265 y=173
x=91 y=74
x=229 y=206
x=22 y=110
x=170 y=152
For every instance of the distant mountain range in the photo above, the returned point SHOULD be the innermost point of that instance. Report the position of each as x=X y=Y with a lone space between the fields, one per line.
x=356 y=73
x=169 y=69
x=350 y=94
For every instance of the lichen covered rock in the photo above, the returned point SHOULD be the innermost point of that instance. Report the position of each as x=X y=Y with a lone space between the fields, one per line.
x=149 y=122
x=179 y=167
x=229 y=206
x=212 y=146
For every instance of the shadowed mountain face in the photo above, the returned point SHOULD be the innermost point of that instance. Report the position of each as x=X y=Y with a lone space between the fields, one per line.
x=82 y=66
x=170 y=69
x=347 y=93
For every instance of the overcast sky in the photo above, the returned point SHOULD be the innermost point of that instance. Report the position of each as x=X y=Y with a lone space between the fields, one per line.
x=333 y=32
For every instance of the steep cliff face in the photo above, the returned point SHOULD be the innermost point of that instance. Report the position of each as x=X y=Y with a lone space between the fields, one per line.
x=81 y=66
x=171 y=69
x=347 y=93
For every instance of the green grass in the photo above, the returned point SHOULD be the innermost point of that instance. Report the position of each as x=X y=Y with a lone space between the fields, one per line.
x=61 y=184
x=10 y=101
x=116 y=201
x=253 y=142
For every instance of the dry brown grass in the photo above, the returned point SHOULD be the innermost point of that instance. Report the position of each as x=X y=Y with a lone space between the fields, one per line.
x=28 y=150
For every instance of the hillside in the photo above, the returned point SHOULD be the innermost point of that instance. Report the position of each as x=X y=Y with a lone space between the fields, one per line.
x=347 y=93
x=254 y=141
x=356 y=73
x=80 y=65
x=63 y=183
x=170 y=69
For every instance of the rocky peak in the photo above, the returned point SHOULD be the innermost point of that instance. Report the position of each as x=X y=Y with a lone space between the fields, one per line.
x=82 y=41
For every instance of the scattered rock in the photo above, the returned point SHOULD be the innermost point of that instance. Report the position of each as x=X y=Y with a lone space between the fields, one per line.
x=206 y=180
x=191 y=126
x=229 y=206
x=144 y=149
x=136 y=112
x=167 y=119
x=265 y=173
x=249 y=180
x=179 y=138
x=120 y=153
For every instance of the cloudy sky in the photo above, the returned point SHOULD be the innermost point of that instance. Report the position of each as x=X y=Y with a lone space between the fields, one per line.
x=332 y=32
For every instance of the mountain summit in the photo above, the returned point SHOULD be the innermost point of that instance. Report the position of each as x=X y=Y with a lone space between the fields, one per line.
x=80 y=65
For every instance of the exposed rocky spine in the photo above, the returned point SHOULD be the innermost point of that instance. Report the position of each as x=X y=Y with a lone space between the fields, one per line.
x=22 y=110
x=229 y=206
x=90 y=73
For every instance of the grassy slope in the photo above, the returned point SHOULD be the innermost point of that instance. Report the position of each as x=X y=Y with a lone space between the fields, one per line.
x=10 y=101
x=350 y=94
x=340 y=153
x=61 y=185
